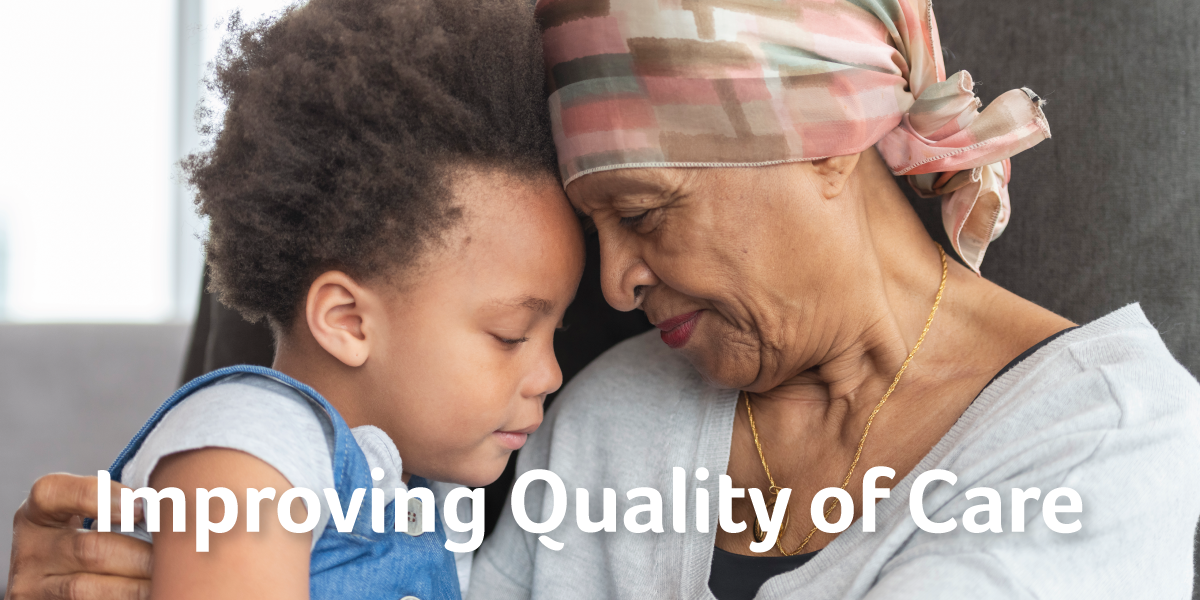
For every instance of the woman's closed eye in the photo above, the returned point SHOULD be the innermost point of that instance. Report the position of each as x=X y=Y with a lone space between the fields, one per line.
x=633 y=221
x=641 y=222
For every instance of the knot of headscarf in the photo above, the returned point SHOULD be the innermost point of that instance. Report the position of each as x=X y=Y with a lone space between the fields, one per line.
x=718 y=83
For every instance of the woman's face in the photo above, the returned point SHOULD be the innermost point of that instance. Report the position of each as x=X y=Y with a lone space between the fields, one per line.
x=730 y=263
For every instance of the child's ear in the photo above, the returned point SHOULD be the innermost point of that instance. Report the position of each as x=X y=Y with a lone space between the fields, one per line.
x=337 y=317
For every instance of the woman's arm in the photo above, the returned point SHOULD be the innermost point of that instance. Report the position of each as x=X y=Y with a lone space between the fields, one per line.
x=53 y=559
x=272 y=563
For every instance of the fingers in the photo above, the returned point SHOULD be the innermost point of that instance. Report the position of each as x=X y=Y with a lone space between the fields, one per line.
x=108 y=554
x=53 y=562
x=52 y=558
x=40 y=551
x=89 y=586
x=56 y=498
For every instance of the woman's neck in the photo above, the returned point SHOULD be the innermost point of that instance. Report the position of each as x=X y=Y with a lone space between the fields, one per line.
x=977 y=329
x=853 y=374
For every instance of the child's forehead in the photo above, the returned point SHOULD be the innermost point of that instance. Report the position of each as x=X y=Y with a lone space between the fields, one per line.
x=504 y=209
x=519 y=245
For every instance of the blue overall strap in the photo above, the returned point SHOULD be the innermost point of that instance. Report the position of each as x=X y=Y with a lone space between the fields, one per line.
x=340 y=445
x=343 y=440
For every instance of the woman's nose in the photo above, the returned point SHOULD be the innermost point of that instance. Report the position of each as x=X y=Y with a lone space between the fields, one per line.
x=624 y=275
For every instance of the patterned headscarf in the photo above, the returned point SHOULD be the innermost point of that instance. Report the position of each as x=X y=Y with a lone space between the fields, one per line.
x=715 y=83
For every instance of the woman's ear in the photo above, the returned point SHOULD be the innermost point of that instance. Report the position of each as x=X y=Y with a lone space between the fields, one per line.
x=833 y=173
x=337 y=317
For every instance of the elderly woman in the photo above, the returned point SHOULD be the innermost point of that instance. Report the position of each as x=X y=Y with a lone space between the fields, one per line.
x=737 y=160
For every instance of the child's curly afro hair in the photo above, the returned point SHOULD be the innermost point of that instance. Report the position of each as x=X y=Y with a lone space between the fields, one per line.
x=345 y=119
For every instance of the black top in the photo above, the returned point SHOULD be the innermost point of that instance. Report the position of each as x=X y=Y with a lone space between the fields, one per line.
x=1026 y=354
x=738 y=577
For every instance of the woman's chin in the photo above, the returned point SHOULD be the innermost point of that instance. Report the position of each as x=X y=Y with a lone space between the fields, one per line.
x=718 y=371
x=709 y=350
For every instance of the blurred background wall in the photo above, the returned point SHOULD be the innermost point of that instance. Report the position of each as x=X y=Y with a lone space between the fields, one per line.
x=100 y=250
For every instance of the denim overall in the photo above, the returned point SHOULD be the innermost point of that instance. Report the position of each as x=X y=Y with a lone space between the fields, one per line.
x=359 y=563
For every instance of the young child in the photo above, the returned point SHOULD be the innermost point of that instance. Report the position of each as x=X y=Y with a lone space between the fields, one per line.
x=383 y=192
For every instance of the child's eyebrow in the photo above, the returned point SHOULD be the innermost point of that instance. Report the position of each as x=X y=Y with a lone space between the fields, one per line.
x=540 y=305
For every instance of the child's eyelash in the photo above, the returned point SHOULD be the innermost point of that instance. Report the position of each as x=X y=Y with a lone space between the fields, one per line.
x=513 y=342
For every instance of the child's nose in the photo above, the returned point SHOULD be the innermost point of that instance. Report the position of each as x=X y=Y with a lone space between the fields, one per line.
x=547 y=377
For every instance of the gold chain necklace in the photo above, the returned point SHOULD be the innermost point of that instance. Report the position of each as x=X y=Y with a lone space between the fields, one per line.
x=759 y=534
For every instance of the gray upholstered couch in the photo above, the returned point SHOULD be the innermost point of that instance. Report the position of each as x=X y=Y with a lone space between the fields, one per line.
x=1108 y=211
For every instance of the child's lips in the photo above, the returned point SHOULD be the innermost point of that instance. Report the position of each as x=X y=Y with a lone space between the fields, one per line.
x=511 y=439
x=514 y=439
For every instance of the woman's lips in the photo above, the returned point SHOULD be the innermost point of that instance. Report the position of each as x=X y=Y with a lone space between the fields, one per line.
x=676 y=331
x=511 y=439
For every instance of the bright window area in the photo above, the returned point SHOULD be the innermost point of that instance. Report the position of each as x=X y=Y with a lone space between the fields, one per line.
x=96 y=107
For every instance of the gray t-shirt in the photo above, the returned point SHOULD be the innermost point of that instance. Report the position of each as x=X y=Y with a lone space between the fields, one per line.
x=281 y=427
x=1104 y=410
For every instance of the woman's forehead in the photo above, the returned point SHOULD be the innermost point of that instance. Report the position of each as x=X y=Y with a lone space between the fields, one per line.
x=601 y=188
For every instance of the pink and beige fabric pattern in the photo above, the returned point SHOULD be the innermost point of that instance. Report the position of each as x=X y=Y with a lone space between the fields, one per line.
x=716 y=83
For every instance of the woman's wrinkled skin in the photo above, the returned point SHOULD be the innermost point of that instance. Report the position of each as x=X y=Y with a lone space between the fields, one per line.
x=813 y=281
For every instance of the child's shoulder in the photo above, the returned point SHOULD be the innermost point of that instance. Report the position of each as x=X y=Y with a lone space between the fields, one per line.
x=247 y=404
x=247 y=412
x=251 y=413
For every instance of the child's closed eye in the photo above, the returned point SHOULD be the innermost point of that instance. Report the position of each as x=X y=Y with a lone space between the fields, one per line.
x=512 y=341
